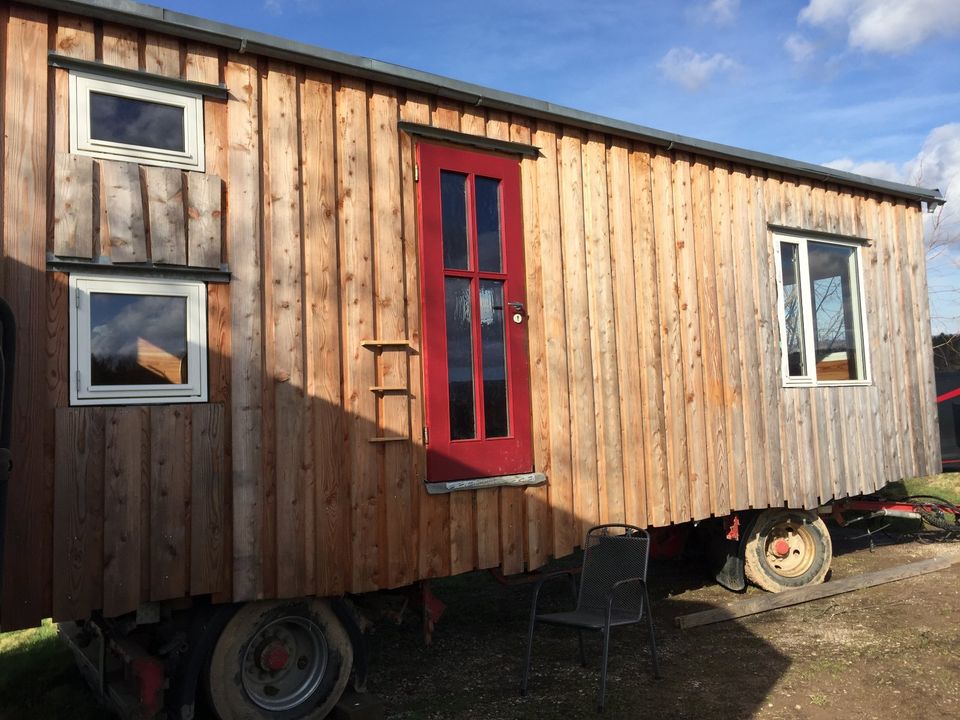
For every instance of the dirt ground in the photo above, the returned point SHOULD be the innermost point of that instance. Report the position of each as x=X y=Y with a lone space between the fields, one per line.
x=890 y=652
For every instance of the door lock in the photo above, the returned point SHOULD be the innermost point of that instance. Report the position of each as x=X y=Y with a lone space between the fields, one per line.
x=518 y=311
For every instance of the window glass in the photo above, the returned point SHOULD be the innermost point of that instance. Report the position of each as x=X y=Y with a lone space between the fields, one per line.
x=136 y=122
x=495 y=410
x=488 y=223
x=792 y=309
x=453 y=205
x=138 y=340
x=836 y=312
x=460 y=358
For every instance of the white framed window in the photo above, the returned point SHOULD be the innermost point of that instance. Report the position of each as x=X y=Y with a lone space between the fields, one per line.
x=120 y=119
x=137 y=340
x=823 y=324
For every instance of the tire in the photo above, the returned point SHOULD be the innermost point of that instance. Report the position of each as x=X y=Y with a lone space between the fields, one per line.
x=279 y=660
x=787 y=549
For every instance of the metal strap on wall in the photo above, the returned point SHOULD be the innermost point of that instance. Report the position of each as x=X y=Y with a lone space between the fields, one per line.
x=219 y=92
x=484 y=143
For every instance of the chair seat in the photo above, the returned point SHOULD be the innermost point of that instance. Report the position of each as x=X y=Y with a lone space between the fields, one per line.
x=586 y=618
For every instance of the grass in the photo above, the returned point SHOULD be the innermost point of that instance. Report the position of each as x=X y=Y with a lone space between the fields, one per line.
x=944 y=485
x=38 y=678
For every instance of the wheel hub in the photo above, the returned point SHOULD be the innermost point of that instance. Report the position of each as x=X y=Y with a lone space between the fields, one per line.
x=284 y=663
x=790 y=548
x=274 y=657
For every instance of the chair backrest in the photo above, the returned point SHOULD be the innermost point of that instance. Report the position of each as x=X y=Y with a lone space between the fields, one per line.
x=612 y=553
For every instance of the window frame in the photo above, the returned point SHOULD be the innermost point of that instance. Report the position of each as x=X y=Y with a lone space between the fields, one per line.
x=809 y=341
x=82 y=143
x=82 y=392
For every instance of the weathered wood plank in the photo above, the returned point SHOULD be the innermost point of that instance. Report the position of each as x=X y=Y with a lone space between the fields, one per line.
x=671 y=351
x=120 y=46
x=765 y=298
x=161 y=55
x=167 y=231
x=78 y=513
x=243 y=240
x=204 y=214
x=585 y=507
x=74 y=38
x=323 y=351
x=123 y=237
x=73 y=206
x=656 y=480
x=29 y=531
x=394 y=507
x=284 y=429
x=170 y=441
x=123 y=536
x=691 y=365
x=566 y=529
x=714 y=420
x=208 y=488
x=356 y=292
x=754 y=425
x=603 y=331
x=772 y=601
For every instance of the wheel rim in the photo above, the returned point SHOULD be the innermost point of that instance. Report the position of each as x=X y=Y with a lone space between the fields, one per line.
x=790 y=548
x=284 y=663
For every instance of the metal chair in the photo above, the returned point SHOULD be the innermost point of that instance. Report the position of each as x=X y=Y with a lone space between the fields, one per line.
x=613 y=592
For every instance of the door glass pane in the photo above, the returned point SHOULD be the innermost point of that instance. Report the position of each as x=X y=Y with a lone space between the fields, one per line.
x=792 y=309
x=496 y=417
x=453 y=205
x=460 y=358
x=488 y=224
x=138 y=339
x=836 y=311
x=136 y=122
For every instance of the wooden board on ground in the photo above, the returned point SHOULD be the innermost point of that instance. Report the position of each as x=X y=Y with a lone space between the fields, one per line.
x=752 y=606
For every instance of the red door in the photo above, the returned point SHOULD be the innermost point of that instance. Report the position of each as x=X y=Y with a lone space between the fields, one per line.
x=476 y=369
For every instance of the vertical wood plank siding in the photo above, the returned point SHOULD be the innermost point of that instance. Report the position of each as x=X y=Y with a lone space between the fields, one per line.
x=653 y=340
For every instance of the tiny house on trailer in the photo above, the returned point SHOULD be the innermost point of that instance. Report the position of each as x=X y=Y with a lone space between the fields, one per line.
x=295 y=324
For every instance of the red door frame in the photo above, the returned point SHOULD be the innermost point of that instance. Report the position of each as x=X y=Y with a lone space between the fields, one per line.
x=481 y=457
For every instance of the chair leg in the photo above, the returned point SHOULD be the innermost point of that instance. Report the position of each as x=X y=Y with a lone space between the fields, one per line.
x=601 y=699
x=526 y=662
x=583 y=655
x=653 y=639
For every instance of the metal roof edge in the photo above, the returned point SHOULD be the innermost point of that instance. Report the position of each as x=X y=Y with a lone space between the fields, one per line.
x=238 y=39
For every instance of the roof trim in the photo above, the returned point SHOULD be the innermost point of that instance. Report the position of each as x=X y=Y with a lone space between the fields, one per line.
x=149 y=17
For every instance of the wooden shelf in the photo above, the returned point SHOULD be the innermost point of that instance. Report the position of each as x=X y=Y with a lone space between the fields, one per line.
x=389 y=389
x=386 y=439
x=373 y=344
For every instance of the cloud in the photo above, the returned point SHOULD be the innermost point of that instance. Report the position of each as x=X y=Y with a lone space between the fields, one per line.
x=885 y=26
x=871 y=168
x=722 y=11
x=694 y=70
x=799 y=48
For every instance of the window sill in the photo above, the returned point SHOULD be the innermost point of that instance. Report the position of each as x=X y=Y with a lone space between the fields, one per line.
x=523 y=480
x=828 y=384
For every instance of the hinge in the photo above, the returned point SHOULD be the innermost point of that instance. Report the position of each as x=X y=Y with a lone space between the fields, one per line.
x=426 y=435
x=416 y=172
x=78 y=378
x=76 y=299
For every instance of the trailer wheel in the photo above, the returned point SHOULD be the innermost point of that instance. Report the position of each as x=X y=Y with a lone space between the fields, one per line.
x=280 y=660
x=787 y=549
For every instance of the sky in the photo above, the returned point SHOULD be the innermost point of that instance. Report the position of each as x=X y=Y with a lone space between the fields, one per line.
x=870 y=86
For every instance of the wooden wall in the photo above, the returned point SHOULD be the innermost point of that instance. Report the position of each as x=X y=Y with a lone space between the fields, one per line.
x=653 y=339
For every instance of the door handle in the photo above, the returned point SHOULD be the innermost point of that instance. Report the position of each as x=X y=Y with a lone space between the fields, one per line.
x=518 y=312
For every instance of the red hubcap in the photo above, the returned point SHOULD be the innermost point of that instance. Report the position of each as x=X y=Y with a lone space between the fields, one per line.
x=274 y=657
x=781 y=548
